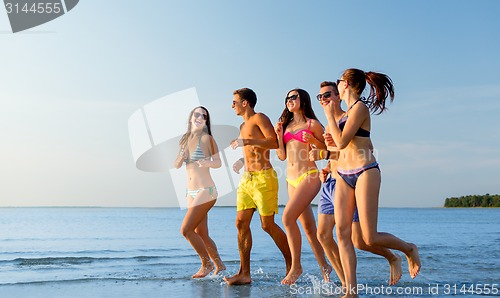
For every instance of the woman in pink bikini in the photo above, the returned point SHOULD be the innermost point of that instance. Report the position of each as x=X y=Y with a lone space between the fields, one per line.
x=197 y=148
x=298 y=129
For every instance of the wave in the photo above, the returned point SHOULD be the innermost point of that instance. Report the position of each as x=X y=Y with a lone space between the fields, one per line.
x=60 y=261
x=95 y=279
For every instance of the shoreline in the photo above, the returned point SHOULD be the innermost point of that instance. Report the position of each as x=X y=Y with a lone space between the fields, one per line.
x=219 y=207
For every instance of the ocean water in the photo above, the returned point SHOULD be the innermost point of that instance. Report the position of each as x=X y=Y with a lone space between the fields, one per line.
x=139 y=252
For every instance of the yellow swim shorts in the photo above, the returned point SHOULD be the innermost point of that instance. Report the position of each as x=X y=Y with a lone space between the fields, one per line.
x=258 y=190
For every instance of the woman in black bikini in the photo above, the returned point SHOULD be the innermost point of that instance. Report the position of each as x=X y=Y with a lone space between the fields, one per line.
x=359 y=171
x=197 y=148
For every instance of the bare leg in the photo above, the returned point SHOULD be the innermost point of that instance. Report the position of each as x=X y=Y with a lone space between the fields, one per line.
x=202 y=230
x=292 y=211
x=367 y=195
x=299 y=202
x=344 y=210
x=279 y=237
x=243 y=220
x=309 y=224
x=194 y=216
x=393 y=259
x=326 y=222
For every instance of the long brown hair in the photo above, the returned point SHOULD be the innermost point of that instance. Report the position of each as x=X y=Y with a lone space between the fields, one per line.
x=381 y=87
x=206 y=128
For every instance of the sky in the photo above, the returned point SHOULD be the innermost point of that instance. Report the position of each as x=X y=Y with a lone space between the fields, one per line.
x=69 y=87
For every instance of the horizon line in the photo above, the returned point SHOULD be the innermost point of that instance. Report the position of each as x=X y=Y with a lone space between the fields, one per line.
x=170 y=207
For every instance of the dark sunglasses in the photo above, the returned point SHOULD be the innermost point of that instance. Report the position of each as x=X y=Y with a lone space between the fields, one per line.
x=198 y=115
x=291 y=97
x=338 y=81
x=235 y=102
x=325 y=95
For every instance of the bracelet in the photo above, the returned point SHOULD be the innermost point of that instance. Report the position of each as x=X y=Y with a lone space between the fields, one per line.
x=327 y=155
x=320 y=154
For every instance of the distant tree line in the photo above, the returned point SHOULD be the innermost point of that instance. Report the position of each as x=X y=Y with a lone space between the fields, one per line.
x=474 y=201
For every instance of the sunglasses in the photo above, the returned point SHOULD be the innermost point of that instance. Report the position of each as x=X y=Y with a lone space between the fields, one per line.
x=198 y=115
x=235 y=102
x=325 y=95
x=291 y=97
x=339 y=80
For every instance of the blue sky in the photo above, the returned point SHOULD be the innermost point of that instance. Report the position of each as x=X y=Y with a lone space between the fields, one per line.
x=68 y=87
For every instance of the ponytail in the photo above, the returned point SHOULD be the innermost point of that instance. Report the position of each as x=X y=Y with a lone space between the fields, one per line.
x=381 y=87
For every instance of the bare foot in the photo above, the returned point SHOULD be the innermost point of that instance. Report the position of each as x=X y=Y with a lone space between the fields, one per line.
x=326 y=270
x=413 y=261
x=292 y=276
x=396 y=271
x=204 y=271
x=219 y=269
x=238 y=279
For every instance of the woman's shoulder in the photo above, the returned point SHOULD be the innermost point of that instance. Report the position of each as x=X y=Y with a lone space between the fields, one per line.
x=314 y=123
x=206 y=138
x=360 y=111
x=361 y=107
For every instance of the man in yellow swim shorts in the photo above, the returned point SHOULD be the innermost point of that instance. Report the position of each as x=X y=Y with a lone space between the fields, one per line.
x=258 y=188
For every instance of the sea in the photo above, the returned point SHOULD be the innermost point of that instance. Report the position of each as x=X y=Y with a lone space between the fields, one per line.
x=139 y=252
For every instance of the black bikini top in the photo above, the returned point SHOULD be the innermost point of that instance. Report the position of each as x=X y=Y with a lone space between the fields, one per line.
x=361 y=131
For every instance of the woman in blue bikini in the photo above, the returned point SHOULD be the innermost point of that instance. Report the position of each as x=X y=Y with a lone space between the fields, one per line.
x=197 y=148
x=297 y=130
x=358 y=169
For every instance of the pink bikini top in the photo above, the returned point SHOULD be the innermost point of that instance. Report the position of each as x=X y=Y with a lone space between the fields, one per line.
x=296 y=135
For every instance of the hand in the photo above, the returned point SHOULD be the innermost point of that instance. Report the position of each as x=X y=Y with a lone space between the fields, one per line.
x=278 y=129
x=178 y=161
x=323 y=174
x=237 y=165
x=330 y=106
x=183 y=155
x=335 y=100
x=314 y=154
x=329 y=140
x=237 y=143
x=307 y=137
x=203 y=163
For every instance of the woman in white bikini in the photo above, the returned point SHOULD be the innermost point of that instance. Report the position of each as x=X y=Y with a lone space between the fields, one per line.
x=197 y=148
